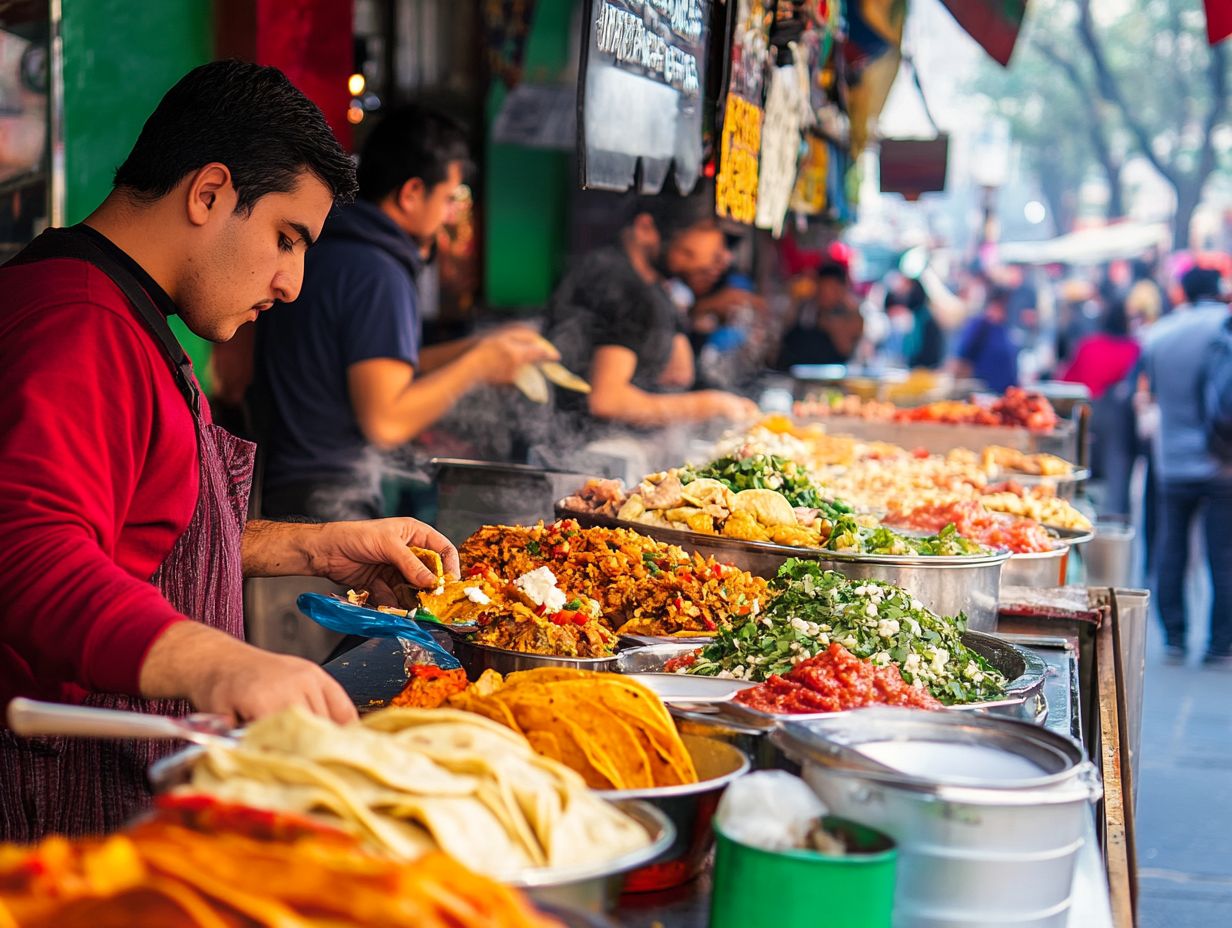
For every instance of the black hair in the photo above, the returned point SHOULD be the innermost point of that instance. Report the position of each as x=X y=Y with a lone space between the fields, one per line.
x=1115 y=318
x=411 y=141
x=999 y=296
x=672 y=213
x=1200 y=283
x=832 y=270
x=248 y=117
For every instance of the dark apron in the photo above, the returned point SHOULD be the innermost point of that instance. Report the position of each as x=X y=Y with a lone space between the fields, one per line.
x=79 y=786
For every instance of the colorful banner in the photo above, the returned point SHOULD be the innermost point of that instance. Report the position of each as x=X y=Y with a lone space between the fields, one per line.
x=995 y=23
x=735 y=192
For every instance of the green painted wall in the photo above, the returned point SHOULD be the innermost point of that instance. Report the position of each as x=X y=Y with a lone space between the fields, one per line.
x=120 y=57
x=526 y=190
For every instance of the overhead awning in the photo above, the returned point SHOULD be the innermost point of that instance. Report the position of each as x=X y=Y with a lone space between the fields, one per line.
x=1122 y=240
x=995 y=23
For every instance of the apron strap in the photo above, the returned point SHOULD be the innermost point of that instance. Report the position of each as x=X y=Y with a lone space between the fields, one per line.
x=71 y=243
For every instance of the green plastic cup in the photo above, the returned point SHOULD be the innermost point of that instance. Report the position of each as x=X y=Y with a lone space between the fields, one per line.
x=804 y=889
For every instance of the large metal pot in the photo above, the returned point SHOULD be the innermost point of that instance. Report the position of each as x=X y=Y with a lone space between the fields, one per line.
x=946 y=585
x=989 y=813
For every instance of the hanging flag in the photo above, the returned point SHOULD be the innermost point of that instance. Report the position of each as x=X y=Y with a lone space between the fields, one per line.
x=1218 y=20
x=995 y=23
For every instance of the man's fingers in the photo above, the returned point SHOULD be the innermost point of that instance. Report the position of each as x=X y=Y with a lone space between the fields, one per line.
x=399 y=555
x=341 y=709
x=435 y=541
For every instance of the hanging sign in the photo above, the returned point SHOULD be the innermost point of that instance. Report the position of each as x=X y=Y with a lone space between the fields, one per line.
x=640 y=93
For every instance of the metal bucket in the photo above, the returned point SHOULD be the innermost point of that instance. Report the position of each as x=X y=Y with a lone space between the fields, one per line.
x=1109 y=558
x=996 y=843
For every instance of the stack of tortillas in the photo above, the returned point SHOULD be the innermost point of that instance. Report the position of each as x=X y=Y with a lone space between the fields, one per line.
x=410 y=781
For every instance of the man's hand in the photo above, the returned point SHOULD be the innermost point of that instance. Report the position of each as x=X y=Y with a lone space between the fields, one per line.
x=375 y=555
x=512 y=347
x=720 y=405
x=220 y=674
x=372 y=555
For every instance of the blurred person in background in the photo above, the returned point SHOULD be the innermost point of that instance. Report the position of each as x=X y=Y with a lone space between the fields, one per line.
x=1191 y=480
x=341 y=376
x=921 y=341
x=827 y=328
x=615 y=322
x=986 y=349
x=1102 y=363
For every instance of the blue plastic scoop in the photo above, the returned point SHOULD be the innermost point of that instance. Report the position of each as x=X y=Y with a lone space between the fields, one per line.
x=348 y=619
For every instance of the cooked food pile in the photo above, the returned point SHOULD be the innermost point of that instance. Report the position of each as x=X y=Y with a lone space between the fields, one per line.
x=793 y=485
x=612 y=730
x=410 y=782
x=643 y=587
x=1017 y=408
x=972 y=520
x=202 y=864
x=832 y=681
x=814 y=608
x=531 y=613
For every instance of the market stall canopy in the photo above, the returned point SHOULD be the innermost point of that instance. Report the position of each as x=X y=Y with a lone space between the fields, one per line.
x=995 y=23
x=1088 y=246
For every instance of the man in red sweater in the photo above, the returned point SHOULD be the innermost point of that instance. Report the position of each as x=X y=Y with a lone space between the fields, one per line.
x=123 y=541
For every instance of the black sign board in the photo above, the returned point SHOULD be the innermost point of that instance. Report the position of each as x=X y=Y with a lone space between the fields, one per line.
x=641 y=87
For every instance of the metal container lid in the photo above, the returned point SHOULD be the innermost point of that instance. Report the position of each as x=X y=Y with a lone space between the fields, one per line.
x=957 y=756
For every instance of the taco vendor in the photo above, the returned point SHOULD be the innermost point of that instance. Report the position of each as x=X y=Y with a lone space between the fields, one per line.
x=122 y=506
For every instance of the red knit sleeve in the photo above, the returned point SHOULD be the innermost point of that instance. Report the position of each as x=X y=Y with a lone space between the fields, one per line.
x=75 y=428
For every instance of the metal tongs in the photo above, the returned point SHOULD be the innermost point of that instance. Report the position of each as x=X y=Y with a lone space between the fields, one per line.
x=349 y=619
x=29 y=717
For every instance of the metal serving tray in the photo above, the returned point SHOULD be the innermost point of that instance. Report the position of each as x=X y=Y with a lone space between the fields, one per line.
x=1024 y=696
x=947 y=585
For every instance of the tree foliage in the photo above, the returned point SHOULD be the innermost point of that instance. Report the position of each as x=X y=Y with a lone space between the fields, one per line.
x=1093 y=84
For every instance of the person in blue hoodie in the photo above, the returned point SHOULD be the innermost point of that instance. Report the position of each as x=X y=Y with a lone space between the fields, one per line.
x=341 y=374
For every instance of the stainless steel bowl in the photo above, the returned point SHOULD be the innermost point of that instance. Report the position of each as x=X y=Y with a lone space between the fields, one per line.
x=1037 y=568
x=594 y=888
x=597 y=888
x=947 y=585
x=690 y=808
x=476 y=658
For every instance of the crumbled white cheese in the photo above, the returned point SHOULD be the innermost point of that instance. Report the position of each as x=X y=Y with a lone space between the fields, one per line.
x=870 y=610
x=912 y=664
x=881 y=658
x=940 y=658
x=887 y=628
x=477 y=596
x=540 y=587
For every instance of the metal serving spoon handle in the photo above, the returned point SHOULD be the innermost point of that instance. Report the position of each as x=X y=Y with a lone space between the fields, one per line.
x=30 y=717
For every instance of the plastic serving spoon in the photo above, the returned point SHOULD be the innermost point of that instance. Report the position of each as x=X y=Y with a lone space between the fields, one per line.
x=30 y=717
x=349 y=619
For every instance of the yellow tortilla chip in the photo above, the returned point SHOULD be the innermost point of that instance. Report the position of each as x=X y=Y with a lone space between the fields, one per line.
x=431 y=560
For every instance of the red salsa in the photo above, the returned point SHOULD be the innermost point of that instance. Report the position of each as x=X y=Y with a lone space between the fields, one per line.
x=833 y=681
x=994 y=529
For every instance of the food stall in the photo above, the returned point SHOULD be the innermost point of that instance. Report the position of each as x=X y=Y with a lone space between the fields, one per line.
x=597 y=720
